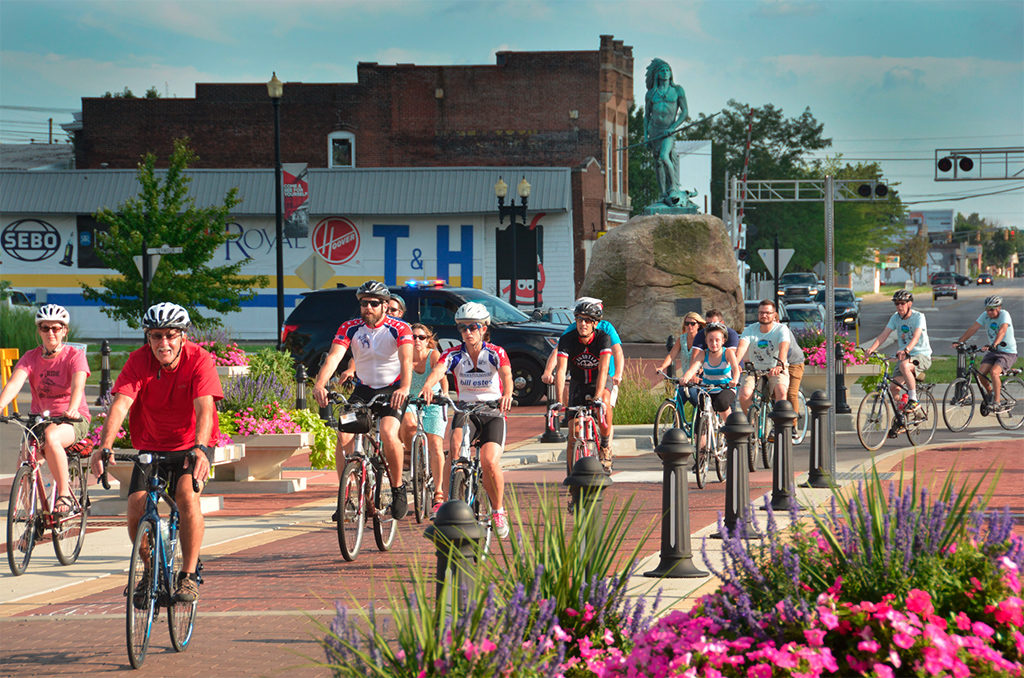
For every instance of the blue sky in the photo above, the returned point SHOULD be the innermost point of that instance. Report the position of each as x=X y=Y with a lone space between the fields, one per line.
x=892 y=81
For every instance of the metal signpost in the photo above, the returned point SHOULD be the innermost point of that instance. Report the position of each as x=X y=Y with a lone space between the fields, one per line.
x=147 y=266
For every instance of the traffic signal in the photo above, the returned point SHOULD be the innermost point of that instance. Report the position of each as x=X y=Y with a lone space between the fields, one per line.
x=965 y=163
x=874 y=188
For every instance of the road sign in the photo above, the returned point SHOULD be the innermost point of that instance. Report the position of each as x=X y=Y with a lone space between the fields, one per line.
x=314 y=271
x=768 y=257
x=165 y=249
x=154 y=261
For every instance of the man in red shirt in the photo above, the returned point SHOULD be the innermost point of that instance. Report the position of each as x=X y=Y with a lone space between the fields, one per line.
x=168 y=388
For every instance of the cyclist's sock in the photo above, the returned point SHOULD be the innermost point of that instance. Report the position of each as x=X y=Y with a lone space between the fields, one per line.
x=912 y=394
x=604 y=441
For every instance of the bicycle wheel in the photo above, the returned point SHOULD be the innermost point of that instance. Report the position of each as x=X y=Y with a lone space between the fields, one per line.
x=459 y=484
x=756 y=439
x=802 y=419
x=666 y=418
x=1013 y=396
x=181 y=616
x=767 y=439
x=583 y=448
x=69 y=532
x=701 y=442
x=384 y=526
x=958 y=405
x=140 y=616
x=921 y=430
x=483 y=514
x=718 y=455
x=351 y=510
x=21 y=521
x=874 y=417
x=422 y=493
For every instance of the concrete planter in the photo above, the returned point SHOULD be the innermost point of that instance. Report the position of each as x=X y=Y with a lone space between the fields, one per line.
x=232 y=371
x=814 y=377
x=264 y=455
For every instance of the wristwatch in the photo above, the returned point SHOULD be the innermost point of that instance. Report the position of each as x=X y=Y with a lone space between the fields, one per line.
x=206 y=449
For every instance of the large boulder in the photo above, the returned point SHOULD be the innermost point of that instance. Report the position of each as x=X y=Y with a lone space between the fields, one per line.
x=640 y=268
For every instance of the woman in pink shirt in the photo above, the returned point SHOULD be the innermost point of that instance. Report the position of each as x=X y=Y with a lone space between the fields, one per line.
x=56 y=374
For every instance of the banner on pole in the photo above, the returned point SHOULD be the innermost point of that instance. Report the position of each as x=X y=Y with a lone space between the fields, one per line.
x=296 y=199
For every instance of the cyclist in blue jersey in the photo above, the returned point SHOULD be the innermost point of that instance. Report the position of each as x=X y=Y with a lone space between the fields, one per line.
x=914 y=351
x=1001 y=349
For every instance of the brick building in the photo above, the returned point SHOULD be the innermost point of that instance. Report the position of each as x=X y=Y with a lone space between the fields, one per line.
x=539 y=109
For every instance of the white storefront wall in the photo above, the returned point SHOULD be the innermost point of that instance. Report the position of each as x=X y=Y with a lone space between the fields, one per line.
x=459 y=249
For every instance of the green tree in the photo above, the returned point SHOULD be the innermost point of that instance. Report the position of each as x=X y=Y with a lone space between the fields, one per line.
x=164 y=214
x=151 y=93
x=913 y=254
x=643 y=184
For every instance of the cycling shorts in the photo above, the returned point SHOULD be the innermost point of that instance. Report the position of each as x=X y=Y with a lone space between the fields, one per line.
x=720 y=400
x=175 y=467
x=364 y=394
x=483 y=428
x=434 y=421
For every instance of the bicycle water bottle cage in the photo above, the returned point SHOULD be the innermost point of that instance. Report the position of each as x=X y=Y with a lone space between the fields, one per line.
x=354 y=422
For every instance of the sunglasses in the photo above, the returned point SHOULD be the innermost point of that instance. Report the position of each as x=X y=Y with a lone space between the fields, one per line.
x=420 y=337
x=689 y=323
x=372 y=303
x=157 y=337
x=50 y=328
x=470 y=328
x=900 y=303
x=589 y=321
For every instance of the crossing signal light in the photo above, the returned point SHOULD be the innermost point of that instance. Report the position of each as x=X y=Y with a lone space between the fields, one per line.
x=965 y=163
x=879 y=190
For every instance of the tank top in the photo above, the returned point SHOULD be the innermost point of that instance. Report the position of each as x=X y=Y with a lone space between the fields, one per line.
x=717 y=377
x=420 y=378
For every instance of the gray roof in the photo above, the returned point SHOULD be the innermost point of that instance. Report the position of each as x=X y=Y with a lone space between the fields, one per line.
x=36 y=156
x=369 y=191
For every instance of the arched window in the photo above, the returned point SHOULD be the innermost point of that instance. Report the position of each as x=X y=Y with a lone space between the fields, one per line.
x=341 y=149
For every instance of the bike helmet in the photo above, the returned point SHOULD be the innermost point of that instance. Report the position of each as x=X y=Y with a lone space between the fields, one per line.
x=716 y=326
x=166 y=314
x=994 y=301
x=588 y=309
x=591 y=300
x=400 y=300
x=902 y=295
x=373 y=288
x=53 y=313
x=471 y=310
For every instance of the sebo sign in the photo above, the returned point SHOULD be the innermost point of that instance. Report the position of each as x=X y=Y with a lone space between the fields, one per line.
x=30 y=240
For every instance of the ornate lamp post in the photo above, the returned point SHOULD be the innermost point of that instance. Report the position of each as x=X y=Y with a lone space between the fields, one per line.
x=512 y=211
x=275 y=88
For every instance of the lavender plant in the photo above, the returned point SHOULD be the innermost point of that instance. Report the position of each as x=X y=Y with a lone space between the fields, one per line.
x=253 y=391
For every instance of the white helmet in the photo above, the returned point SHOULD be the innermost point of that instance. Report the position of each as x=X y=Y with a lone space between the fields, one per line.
x=53 y=313
x=471 y=310
x=589 y=300
x=166 y=314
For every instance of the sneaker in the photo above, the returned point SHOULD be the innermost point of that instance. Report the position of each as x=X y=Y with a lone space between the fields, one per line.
x=912 y=407
x=140 y=597
x=605 y=455
x=1003 y=406
x=499 y=521
x=187 y=590
x=399 y=502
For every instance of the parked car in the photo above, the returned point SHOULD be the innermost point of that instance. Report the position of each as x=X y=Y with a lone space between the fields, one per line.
x=984 y=279
x=798 y=287
x=557 y=316
x=310 y=328
x=944 y=285
x=847 y=306
x=17 y=298
x=806 y=317
x=962 y=279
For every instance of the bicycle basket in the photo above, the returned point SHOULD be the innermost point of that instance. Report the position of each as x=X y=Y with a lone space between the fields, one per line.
x=354 y=422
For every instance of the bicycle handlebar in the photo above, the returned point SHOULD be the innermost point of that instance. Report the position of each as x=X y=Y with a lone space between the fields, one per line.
x=339 y=399
x=30 y=420
x=139 y=458
x=471 y=408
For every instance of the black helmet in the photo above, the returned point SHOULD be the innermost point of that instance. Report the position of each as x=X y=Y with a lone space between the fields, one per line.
x=589 y=309
x=902 y=295
x=373 y=288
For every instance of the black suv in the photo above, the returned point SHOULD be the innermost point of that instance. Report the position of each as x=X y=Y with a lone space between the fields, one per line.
x=309 y=329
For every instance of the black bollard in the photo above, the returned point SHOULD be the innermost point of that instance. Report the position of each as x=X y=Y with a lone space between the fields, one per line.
x=818 y=475
x=456 y=535
x=783 y=417
x=669 y=343
x=300 y=387
x=586 y=483
x=551 y=423
x=737 y=432
x=842 y=407
x=676 y=556
x=105 y=384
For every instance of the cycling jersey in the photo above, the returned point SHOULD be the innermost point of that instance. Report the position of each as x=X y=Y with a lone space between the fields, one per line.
x=375 y=349
x=609 y=329
x=992 y=326
x=905 y=328
x=583 y=358
x=478 y=382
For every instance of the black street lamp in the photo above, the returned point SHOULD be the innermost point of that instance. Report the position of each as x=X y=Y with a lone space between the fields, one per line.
x=512 y=211
x=275 y=88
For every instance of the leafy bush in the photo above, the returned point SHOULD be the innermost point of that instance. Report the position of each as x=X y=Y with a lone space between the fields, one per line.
x=269 y=360
x=18 y=328
x=636 y=404
x=325 y=439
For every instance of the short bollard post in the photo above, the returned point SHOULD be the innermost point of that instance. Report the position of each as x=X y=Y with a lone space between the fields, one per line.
x=676 y=557
x=327 y=414
x=818 y=474
x=455 y=535
x=586 y=482
x=105 y=384
x=551 y=423
x=300 y=387
x=782 y=470
x=842 y=407
x=737 y=518
x=669 y=343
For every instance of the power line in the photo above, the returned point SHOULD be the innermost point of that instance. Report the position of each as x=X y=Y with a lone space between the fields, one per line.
x=965 y=197
x=38 y=109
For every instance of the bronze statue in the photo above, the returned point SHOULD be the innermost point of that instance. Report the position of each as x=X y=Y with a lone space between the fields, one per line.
x=664 y=112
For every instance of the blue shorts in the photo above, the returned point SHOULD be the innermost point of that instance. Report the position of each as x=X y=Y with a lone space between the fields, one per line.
x=433 y=418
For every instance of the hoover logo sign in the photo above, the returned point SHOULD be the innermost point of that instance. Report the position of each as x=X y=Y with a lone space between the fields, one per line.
x=336 y=240
x=30 y=240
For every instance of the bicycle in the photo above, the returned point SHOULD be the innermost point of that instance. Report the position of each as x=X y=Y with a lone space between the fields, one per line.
x=156 y=559
x=584 y=428
x=30 y=511
x=672 y=412
x=759 y=415
x=466 y=479
x=801 y=423
x=365 y=487
x=958 y=401
x=879 y=416
x=419 y=465
x=707 y=438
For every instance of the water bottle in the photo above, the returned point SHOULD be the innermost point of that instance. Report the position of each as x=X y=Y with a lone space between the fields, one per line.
x=165 y=533
x=903 y=401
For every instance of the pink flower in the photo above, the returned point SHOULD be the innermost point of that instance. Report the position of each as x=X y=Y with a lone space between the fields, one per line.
x=919 y=601
x=1009 y=612
x=815 y=637
x=882 y=671
x=571 y=612
x=828 y=618
x=903 y=640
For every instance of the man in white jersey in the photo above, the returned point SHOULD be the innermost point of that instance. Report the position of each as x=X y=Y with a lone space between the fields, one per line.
x=768 y=344
x=1002 y=348
x=914 y=351
x=382 y=357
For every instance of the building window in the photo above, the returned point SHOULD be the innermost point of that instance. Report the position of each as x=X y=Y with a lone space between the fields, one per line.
x=609 y=167
x=620 y=187
x=341 y=149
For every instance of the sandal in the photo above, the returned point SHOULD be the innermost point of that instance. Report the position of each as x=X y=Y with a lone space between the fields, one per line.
x=64 y=505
